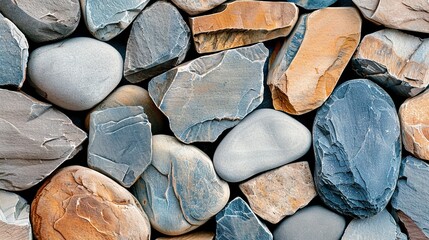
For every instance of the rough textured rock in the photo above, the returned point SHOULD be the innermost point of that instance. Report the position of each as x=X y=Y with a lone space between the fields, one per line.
x=120 y=143
x=242 y=23
x=159 y=40
x=356 y=140
x=253 y=145
x=14 y=217
x=194 y=7
x=43 y=20
x=313 y=4
x=91 y=70
x=280 y=192
x=413 y=231
x=78 y=200
x=311 y=60
x=207 y=95
x=395 y=60
x=107 y=19
x=46 y=139
x=237 y=221
x=180 y=190
x=412 y=15
x=13 y=54
x=191 y=236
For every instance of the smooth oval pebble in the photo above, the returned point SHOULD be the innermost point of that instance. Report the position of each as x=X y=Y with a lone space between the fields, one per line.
x=14 y=217
x=264 y=140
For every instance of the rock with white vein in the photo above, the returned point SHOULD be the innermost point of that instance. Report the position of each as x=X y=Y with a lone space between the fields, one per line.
x=14 y=217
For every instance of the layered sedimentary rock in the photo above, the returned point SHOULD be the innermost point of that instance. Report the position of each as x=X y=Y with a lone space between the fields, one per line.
x=194 y=7
x=14 y=217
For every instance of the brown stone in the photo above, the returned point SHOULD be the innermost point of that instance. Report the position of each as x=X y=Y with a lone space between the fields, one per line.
x=413 y=231
x=191 y=236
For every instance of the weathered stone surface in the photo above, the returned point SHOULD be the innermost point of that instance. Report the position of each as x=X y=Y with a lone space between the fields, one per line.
x=313 y=4
x=212 y=93
x=180 y=190
x=107 y=19
x=242 y=23
x=237 y=221
x=78 y=201
x=76 y=73
x=159 y=40
x=191 y=236
x=194 y=7
x=311 y=60
x=356 y=140
x=14 y=217
x=395 y=60
x=13 y=54
x=280 y=192
x=43 y=20
x=313 y=222
x=413 y=231
x=412 y=15
x=34 y=140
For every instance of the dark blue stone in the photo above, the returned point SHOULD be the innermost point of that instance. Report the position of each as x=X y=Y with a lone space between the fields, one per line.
x=313 y=4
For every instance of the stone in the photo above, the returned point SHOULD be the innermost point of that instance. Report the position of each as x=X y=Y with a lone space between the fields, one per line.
x=79 y=201
x=397 y=61
x=14 y=217
x=159 y=41
x=280 y=192
x=208 y=95
x=313 y=222
x=91 y=70
x=312 y=59
x=313 y=4
x=192 y=236
x=195 y=7
x=357 y=146
x=180 y=190
x=13 y=54
x=107 y=19
x=237 y=221
x=120 y=143
x=35 y=139
x=242 y=23
x=414 y=232
x=411 y=15
x=253 y=145
x=43 y=20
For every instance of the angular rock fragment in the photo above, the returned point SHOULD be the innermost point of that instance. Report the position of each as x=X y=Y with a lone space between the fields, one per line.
x=35 y=139
x=311 y=60
x=313 y=4
x=242 y=23
x=356 y=140
x=14 y=217
x=413 y=231
x=212 y=93
x=191 y=236
x=194 y=7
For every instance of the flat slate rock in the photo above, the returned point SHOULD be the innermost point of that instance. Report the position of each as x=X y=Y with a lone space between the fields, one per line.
x=395 y=60
x=43 y=20
x=311 y=61
x=191 y=236
x=14 y=217
x=180 y=190
x=313 y=4
x=159 y=41
x=413 y=231
x=206 y=96
x=357 y=146
x=237 y=221
x=194 y=7
x=46 y=139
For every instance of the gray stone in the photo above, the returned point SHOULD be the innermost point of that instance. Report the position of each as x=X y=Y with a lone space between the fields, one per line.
x=120 y=143
x=356 y=140
x=210 y=94
x=13 y=54
x=35 y=140
x=43 y=20
x=14 y=217
x=253 y=146
x=76 y=73
x=413 y=231
x=159 y=41
x=313 y=4
x=180 y=190
x=237 y=221
x=194 y=7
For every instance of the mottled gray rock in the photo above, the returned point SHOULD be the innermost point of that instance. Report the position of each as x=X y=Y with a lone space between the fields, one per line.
x=14 y=217
x=237 y=221
x=356 y=140
x=43 y=20
x=313 y=4
x=180 y=190
x=120 y=143
x=194 y=7
x=212 y=93
x=34 y=140
x=159 y=41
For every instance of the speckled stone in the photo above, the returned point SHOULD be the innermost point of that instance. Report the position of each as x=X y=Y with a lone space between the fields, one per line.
x=313 y=4
x=14 y=217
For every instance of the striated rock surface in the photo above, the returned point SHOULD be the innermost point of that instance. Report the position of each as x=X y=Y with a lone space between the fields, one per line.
x=194 y=7
x=312 y=59
x=212 y=93
x=191 y=236
x=14 y=217
x=413 y=231
x=242 y=23
x=356 y=140
x=313 y=4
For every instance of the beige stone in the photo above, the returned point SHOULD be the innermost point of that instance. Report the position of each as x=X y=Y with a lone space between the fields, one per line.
x=191 y=236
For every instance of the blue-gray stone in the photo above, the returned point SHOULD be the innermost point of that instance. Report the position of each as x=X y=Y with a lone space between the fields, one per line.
x=14 y=217
x=356 y=140
x=120 y=143
x=313 y=4
x=237 y=221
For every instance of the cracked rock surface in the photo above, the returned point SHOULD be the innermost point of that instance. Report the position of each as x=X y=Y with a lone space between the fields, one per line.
x=14 y=217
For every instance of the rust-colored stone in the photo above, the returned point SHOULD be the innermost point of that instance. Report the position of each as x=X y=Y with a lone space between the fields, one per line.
x=413 y=231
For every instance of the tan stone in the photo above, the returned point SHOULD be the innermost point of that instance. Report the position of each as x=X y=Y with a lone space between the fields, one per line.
x=242 y=23
x=191 y=236
x=280 y=192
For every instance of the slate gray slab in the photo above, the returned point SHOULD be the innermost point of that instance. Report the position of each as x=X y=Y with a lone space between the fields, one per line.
x=313 y=4
x=14 y=217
